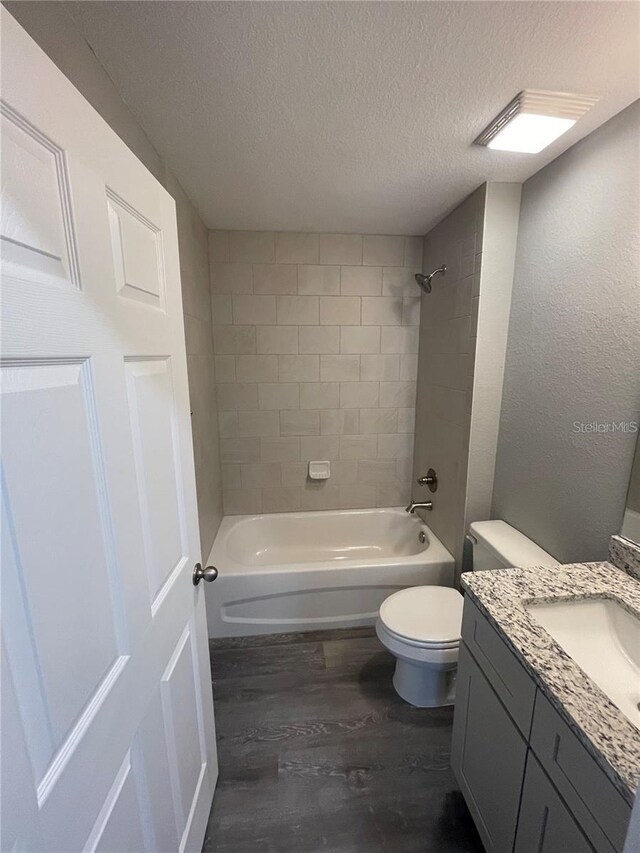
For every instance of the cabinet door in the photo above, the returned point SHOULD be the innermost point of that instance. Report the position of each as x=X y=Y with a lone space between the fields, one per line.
x=488 y=757
x=546 y=824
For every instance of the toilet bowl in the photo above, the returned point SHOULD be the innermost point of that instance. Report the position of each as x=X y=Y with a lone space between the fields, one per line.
x=421 y=625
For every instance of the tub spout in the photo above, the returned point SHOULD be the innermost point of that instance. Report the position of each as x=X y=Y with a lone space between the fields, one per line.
x=414 y=505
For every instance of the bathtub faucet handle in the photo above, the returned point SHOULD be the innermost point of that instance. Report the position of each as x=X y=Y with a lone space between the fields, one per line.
x=414 y=505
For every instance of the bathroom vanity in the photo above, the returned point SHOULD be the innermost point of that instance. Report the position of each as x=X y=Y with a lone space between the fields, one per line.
x=544 y=758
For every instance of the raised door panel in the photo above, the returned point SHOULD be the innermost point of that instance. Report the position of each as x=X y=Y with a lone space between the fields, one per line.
x=545 y=824
x=57 y=547
x=182 y=712
x=36 y=223
x=487 y=756
x=151 y=408
x=118 y=828
x=137 y=253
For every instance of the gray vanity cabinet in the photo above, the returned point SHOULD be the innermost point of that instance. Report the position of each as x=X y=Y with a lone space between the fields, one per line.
x=529 y=782
x=488 y=756
x=545 y=824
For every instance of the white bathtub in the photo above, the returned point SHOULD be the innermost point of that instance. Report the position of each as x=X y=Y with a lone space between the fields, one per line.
x=301 y=571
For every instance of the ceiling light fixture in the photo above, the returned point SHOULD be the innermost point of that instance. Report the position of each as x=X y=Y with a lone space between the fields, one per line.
x=534 y=119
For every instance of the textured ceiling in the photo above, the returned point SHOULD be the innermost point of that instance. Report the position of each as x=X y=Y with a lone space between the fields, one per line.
x=354 y=117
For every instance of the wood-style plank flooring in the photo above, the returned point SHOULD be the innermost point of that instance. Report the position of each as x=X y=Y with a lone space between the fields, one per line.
x=318 y=753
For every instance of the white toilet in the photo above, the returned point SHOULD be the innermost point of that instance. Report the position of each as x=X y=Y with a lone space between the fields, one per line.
x=421 y=625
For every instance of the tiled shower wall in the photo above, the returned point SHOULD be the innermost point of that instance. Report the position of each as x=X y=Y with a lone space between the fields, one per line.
x=447 y=359
x=315 y=341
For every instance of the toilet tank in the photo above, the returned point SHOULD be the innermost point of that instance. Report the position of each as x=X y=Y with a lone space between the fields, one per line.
x=497 y=545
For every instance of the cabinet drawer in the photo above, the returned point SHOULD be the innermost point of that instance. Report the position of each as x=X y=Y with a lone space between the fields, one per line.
x=545 y=824
x=505 y=673
x=597 y=806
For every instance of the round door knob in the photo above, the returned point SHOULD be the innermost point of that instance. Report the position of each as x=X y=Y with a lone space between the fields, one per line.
x=209 y=574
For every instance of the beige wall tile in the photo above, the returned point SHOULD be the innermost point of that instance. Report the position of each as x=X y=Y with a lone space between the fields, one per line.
x=359 y=339
x=240 y=449
x=281 y=499
x=408 y=366
x=359 y=395
x=258 y=475
x=319 y=447
x=221 y=311
x=383 y=251
x=231 y=278
x=339 y=367
x=340 y=249
x=231 y=475
x=277 y=339
x=413 y=248
x=373 y=421
x=225 y=368
x=256 y=247
x=275 y=278
x=339 y=310
x=376 y=367
x=278 y=395
x=361 y=281
x=395 y=446
x=280 y=450
x=298 y=368
x=402 y=339
x=297 y=310
x=257 y=368
x=319 y=280
x=307 y=326
x=294 y=473
x=356 y=496
x=411 y=311
x=228 y=424
x=297 y=248
x=406 y=420
x=230 y=340
x=249 y=310
x=400 y=394
x=320 y=495
x=393 y=494
x=319 y=339
x=358 y=446
x=340 y=421
x=377 y=471
x=297 y=422
x=399 y=281
x=381 y=311
x=237 y=397
x=258 y=423
x=319 y=395
x=242 y=501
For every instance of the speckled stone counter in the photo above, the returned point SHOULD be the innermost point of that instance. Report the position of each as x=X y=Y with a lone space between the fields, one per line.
x=502 y=595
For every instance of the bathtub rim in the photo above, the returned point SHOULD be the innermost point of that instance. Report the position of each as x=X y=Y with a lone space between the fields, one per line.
x=435 y=552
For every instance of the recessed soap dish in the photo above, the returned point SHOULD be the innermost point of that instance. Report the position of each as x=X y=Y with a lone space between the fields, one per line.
x=319 y=470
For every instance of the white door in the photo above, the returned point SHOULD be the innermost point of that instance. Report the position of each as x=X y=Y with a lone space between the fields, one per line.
x=108 y=732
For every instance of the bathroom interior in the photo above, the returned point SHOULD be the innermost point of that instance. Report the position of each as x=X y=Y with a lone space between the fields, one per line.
x=383 y=403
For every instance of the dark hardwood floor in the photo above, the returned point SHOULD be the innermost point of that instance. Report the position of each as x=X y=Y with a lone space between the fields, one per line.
x=318 y=753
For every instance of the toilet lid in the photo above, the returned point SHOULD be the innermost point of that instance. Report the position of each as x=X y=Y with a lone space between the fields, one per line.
x=427 y=614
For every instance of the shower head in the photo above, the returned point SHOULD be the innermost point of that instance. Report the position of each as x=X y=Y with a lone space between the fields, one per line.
x=425 y=280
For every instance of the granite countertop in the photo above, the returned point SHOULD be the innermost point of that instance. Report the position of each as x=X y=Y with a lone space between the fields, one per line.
x=603 y=729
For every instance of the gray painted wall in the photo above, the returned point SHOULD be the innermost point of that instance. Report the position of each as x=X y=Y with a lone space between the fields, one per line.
x=52 y=26
x=573 y=352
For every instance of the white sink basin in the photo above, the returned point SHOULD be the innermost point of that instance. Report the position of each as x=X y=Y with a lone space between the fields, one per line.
x=604 y=640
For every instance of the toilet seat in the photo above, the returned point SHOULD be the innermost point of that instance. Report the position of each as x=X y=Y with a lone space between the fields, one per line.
x=428 y=617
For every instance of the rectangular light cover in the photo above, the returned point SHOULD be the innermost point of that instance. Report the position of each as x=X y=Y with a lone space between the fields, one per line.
x=533 y=120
